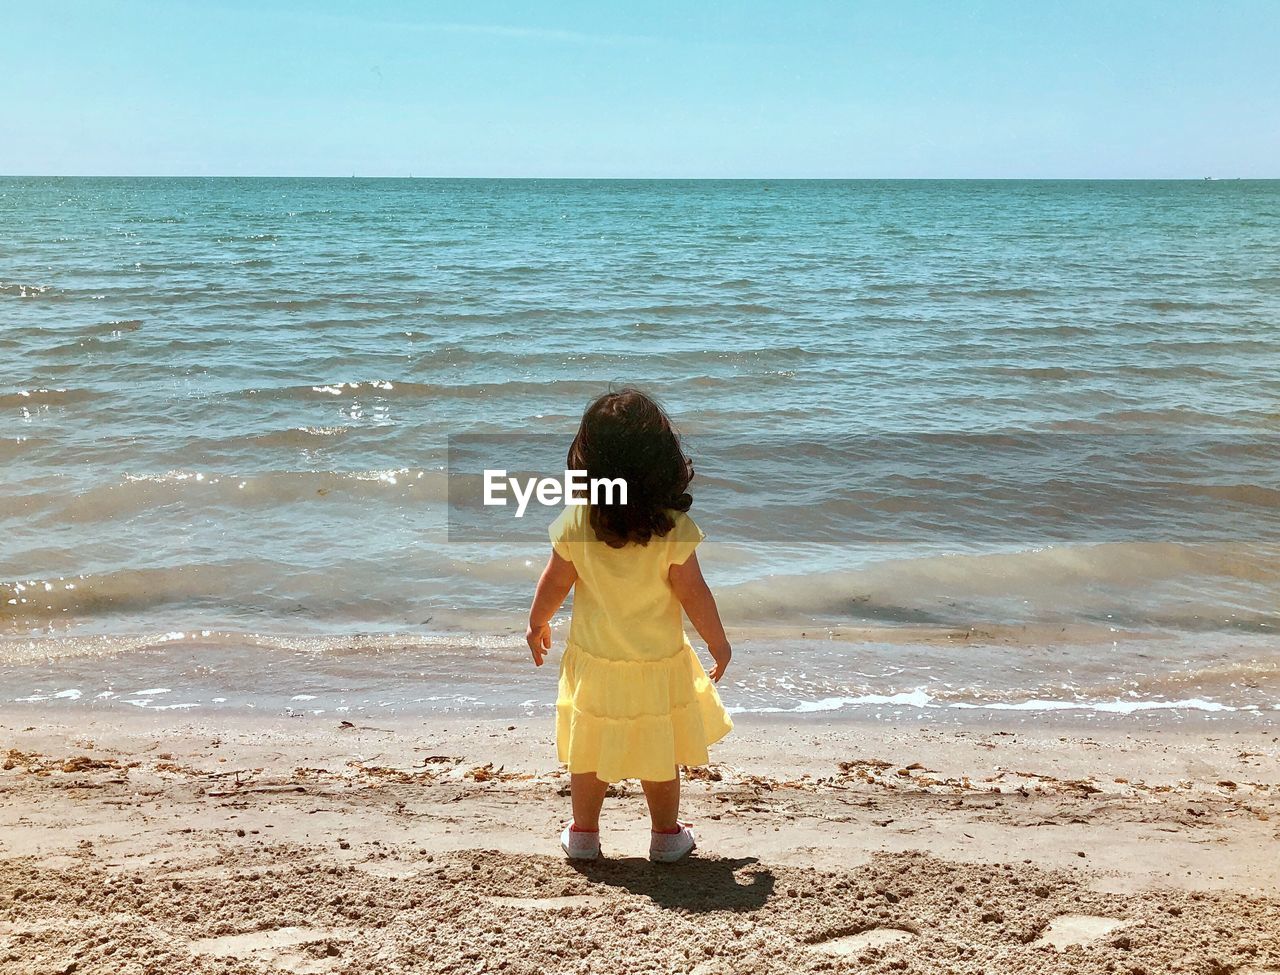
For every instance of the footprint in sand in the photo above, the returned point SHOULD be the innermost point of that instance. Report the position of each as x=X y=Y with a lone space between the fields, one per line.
x=8 y=928
x=392 y=869
x=1077 y=929
x=851 y=944
x=275 y=946
x=549 y=903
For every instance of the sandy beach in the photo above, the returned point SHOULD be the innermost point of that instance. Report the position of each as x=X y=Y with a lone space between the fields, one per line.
x=147 y=843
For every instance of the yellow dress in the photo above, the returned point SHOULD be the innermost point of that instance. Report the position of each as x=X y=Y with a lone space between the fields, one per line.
x=634 y=700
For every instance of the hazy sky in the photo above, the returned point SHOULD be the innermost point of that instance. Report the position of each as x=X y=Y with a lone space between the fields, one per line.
x=1122 y=88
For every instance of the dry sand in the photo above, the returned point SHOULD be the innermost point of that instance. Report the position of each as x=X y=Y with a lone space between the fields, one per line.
x=132 y=844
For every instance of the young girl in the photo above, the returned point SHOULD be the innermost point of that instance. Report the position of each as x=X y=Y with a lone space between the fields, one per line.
x=634 y=700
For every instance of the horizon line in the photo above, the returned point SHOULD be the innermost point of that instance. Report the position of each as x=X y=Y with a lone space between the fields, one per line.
x=684 y=179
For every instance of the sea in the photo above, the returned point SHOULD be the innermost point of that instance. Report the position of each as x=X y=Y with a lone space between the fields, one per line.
x=960 y=446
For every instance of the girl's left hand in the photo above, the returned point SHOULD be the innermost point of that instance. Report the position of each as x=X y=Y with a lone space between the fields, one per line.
x=539 y=640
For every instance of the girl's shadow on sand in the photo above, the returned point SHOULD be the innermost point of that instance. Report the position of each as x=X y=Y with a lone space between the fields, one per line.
x=696 y=884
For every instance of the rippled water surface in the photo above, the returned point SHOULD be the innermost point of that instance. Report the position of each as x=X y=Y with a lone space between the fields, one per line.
x=1042 y=410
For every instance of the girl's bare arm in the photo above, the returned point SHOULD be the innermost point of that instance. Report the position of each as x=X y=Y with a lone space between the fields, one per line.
x=553 y=588
x=700 y=606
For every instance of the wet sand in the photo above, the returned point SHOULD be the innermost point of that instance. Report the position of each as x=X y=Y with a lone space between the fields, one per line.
x=161 y=842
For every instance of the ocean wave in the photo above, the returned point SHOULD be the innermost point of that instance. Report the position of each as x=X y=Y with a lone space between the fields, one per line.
x=242 y=591
x=211 y=490
x=1067 y=595
x=301 y=437
x=1238 y=347
x=1051 y=329
x=1253 y=495
x=1227 y=677
x=12 y=448
x=1040 y=372
x=461 y=646
x=112 y=328
x=922 y=698
x=1172 y=304
x=708 y=308
x=43 y=396
x=1092 y=582
x=400 y=389
x=1114 y=706
x=985 y=293
x=287 y=302
x=1175 y=417
x=653 y=360
x=247 y=238
x=17 y=290
x=38 y=600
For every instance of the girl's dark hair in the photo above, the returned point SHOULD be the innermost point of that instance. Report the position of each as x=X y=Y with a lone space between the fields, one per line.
x=628 y=435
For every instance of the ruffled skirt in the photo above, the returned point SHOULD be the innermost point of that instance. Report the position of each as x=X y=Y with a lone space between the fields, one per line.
x=636 y=719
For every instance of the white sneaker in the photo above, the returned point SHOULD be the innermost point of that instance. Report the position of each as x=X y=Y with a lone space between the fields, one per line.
x=670 y=847
x=580 y=845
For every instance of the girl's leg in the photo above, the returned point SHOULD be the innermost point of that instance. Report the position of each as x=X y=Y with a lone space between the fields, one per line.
x=587 y=792
x=664 y=803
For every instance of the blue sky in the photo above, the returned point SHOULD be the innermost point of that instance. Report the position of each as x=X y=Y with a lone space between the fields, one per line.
x=791 y=88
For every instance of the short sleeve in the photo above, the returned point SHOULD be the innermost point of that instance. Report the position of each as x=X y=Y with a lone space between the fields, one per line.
x=683 y=539
x=561 y=532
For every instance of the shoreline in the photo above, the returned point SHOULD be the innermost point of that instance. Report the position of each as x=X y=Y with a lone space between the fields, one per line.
x=866 y=718
x=937 y=676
